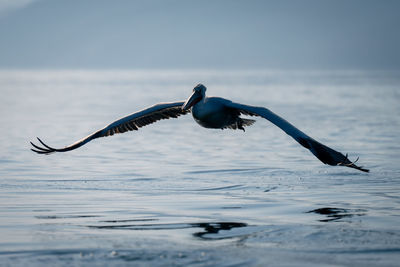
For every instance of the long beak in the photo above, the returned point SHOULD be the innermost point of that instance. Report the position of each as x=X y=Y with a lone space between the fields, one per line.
x=192 y=100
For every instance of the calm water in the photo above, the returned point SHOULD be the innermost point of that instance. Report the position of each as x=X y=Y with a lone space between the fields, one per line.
x=174 y=193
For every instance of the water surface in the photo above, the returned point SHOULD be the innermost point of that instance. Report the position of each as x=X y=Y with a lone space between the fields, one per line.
x=174 y=193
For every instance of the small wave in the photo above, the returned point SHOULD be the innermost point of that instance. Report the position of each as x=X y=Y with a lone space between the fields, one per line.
x=129 y=220
x=227 y=170
x=165 y=226
x=219 y=188
x=65 y=216
x=270 y=189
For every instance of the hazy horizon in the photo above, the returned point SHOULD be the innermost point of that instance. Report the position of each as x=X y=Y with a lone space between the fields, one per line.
x=176 y=34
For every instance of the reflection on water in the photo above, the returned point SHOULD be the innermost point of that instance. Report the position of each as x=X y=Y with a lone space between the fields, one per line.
x=174 y=193
x=210 y=232
x=334 y=214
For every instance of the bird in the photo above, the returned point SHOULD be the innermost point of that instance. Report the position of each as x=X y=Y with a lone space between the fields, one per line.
x=213 y=113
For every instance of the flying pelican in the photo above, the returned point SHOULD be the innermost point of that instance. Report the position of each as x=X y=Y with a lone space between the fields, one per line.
x=209 y=112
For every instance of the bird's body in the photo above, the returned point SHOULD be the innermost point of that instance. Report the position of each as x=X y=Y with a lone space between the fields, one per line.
x=209 y=112
x=214 y=113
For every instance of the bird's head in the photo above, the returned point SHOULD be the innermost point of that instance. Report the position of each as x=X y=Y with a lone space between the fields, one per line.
x=199 y=92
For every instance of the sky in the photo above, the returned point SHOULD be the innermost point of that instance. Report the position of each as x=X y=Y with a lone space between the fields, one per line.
x=192 y=34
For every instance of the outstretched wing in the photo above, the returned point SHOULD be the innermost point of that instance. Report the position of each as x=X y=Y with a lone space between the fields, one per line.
x=129 y=123
x=325 y=154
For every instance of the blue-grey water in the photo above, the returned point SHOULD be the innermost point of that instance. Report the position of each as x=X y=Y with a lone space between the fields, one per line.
x=176 y=194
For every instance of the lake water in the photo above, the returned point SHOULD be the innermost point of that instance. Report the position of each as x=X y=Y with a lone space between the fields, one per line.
x=176 y=194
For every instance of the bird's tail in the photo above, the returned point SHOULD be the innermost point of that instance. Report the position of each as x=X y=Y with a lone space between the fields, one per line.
x=246 y=122
x=240 y=123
